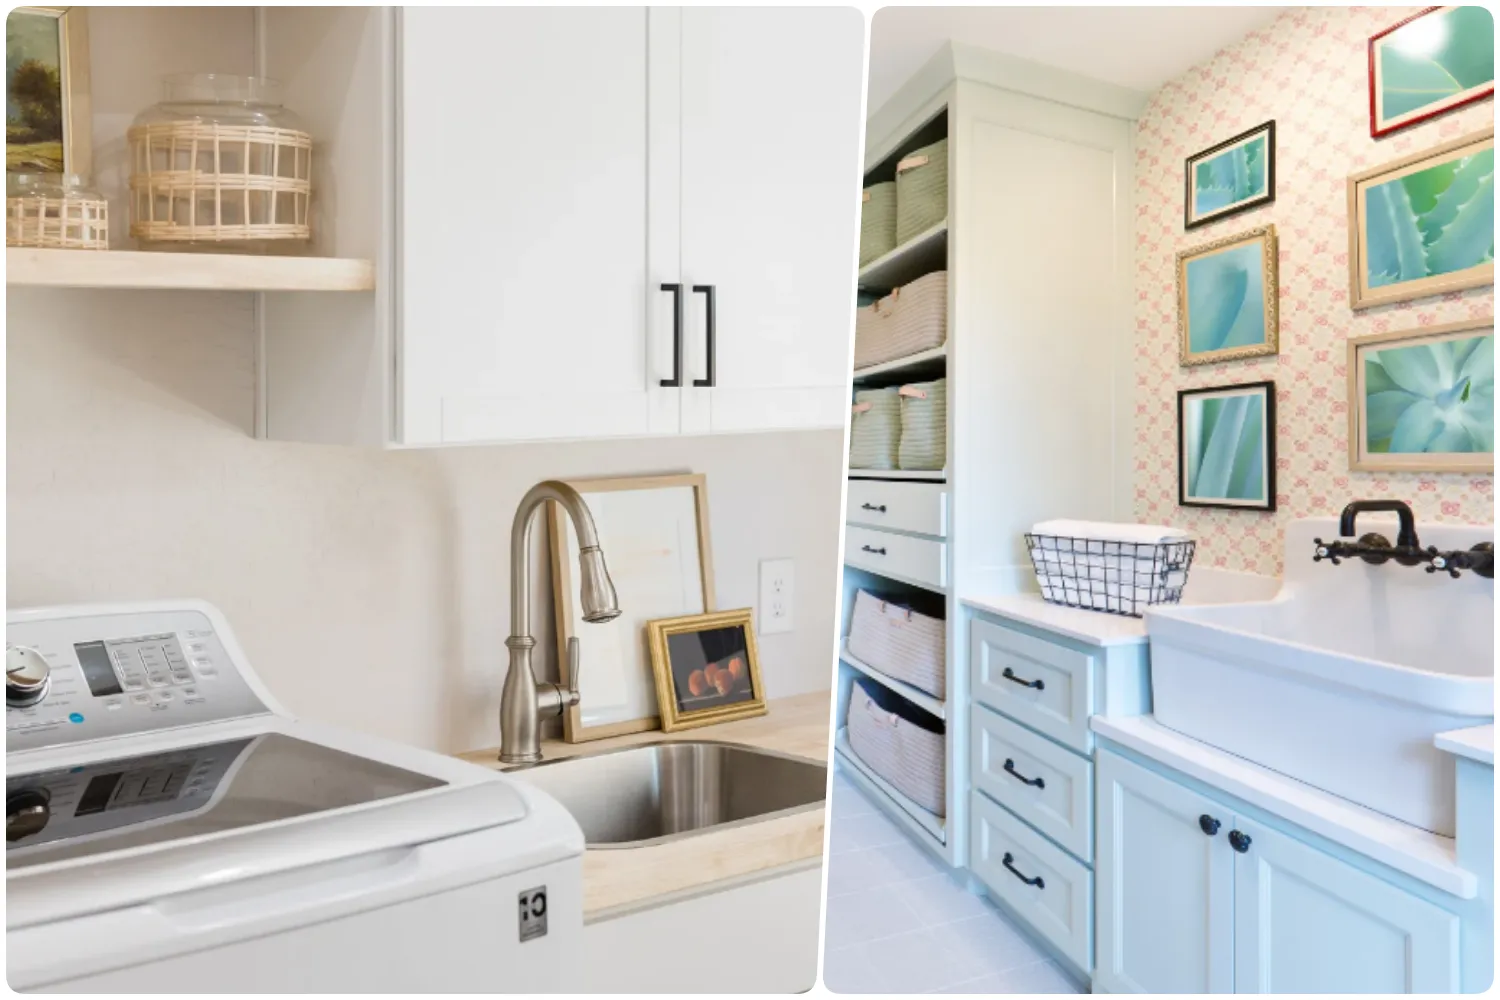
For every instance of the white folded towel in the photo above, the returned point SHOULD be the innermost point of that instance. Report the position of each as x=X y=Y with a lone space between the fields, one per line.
x=1144 y=534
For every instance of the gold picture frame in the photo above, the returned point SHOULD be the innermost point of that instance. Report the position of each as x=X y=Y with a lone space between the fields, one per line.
x=76 y=106
x=638 y=535
x=1361 y=458
x=1408 y=219
x=729 y=672
x=1258 y=307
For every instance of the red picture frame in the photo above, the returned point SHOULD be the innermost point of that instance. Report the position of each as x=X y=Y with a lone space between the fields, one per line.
x=1376 y=132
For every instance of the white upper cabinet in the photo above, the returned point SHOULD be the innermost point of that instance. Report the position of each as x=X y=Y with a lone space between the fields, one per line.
x=770 y=111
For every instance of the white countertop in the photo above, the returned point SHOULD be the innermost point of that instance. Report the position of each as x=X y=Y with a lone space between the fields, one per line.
x=1419 y=853
x=1097 y=627
x=1475 y=743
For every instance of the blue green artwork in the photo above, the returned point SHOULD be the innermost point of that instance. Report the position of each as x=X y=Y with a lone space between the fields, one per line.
x=1232 y=177
x=1434 y=397
x=1432 y=222
x=1226 y=309
x=1429 y=64
x=1227 y=455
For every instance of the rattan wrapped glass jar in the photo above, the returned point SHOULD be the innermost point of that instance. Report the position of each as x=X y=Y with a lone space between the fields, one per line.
x=55 y=212
x=219 y=163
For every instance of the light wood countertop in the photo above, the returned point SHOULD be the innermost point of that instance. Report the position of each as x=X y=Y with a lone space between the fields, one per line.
x=630 y=877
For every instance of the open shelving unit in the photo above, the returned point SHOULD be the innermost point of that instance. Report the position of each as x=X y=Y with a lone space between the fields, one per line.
x=186 y=270
x=907 y=813
x=911 y=368
x=912 y=694
x=923 y=253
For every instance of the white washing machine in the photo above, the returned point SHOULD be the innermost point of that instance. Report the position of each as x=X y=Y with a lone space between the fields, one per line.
x=169 y=828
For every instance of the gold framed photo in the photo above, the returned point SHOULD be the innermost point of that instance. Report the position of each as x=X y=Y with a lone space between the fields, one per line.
x=48 y=128
x=1227 y=299
x=707 y=669
x=1423 y=400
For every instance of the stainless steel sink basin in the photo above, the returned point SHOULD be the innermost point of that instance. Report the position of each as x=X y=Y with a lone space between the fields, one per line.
x=654 y=792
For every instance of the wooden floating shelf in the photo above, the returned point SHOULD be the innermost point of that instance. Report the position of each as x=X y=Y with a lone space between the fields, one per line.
x=915 y=695
x=922 y=359
x=922 y=254
x=913 y=816
x=207 y=271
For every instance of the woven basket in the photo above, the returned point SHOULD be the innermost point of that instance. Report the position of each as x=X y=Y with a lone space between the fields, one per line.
x=877 y=221
x=212 y=183
x=899 y=642
x=912 y=318
x=924 y=425
x=921 y=190
x=909 y=756
x=65 y=223
x=875 y=430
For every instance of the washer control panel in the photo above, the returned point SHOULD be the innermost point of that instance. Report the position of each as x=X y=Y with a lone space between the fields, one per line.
x=112 y=675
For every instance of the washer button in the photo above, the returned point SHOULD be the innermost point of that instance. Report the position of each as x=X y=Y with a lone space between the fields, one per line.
x=163 y=696
x=140 y=699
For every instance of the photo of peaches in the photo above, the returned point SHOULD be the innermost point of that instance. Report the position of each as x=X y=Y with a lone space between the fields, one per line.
x=697 y=683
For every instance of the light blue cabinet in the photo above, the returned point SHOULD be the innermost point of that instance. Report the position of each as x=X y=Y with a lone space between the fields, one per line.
x=1180 y=910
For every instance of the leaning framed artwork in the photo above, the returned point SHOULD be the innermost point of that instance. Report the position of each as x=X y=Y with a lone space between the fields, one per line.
x=707 y=669
x=1429 y=64
x=1423 y=224
x=1226 y=446
x=1227 y=298
x=48 y=114
x=1423 y=400
x=1236 y=175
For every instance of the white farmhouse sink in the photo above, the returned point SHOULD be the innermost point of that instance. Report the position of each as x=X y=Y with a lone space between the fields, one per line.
x=1344 y=677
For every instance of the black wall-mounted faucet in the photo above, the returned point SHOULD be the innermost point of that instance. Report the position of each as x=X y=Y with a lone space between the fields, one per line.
x=1406 y=537
x=1376 y=549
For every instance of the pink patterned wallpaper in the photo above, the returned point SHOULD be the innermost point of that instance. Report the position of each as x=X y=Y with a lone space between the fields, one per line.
x=1307 y=70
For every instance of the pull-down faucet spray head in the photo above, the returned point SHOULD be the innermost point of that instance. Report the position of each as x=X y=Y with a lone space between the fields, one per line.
x=596 y=591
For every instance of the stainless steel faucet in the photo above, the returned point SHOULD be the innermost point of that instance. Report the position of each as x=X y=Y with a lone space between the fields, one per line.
x=524 y=699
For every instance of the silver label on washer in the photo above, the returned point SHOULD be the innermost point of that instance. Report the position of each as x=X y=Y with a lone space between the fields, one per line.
x=533 y=906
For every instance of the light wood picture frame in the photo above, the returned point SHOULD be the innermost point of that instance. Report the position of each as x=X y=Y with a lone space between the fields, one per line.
x=1228 y=299
x=654 y=534
x=76 y=111
x=1441 y=398
x=707 y=669
x=1433 y=229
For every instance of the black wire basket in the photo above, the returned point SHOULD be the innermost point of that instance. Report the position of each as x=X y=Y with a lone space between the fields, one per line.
x=1122 y=578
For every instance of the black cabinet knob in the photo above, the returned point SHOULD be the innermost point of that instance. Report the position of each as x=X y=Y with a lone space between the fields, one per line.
x=1239 y=841
x=1208 y=824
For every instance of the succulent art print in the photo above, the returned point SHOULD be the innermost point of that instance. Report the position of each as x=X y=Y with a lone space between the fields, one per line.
x=1429 y=64
x=1227 y=446
x=1434 y=398
x=1237 y=174
x=1435 y=221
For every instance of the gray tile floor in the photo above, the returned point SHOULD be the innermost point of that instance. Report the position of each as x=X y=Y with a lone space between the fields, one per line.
x=898 y=922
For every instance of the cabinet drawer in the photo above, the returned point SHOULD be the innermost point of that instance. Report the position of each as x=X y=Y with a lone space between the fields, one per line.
x=1005 y=853
x=919 y=507
x=916 y=559
x=1044 y=685
x=1047 y=786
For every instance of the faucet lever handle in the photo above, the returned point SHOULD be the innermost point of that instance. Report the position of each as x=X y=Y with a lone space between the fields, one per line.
x=573 y=667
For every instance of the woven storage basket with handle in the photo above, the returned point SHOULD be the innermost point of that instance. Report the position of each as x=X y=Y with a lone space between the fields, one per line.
x=912 y=318
x=921 y=190
x=924 y=425
x=877 y=221
x=899 y=642
x=899 y=742
x=875 y=431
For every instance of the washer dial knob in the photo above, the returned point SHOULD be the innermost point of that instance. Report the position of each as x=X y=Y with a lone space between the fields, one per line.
x=27 y=677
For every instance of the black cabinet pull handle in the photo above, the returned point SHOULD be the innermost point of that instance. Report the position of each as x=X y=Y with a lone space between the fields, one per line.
x=1010 y=675
x=1239 y=841
x=711 y=332
x=1208 y=824
x=1010 y=769
x=878 y=552
x=1006 y=861
x=870 y=506
x=677 y=317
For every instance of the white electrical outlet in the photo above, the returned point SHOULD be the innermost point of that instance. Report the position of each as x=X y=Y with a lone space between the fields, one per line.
x=775 y=611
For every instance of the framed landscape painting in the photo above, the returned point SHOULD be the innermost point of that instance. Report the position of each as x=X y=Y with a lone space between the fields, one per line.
x=1424 y=224
x=1236 y=175
x=1226 y=446
x=1429 y=64
x=1227 y=298
x=1423 y=400
x=47 y=114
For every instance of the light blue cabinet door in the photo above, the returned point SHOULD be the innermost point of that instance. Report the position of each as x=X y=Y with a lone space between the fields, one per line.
x=1306 y=922
x=1164 y=907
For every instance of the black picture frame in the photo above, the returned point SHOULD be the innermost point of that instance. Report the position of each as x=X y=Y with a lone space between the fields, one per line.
x=1188 y=222
x=1268 y=389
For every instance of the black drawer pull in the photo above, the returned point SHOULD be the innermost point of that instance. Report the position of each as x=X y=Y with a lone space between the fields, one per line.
x=711 y=336
x=878 y=552
x=1010 y=769
x=1010 y=675
x=1208 y=824
x=1006 y=861
x=870 y=506
x=1239 y=841
x=677 y=319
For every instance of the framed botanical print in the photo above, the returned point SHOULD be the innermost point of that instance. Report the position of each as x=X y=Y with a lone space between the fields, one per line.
x=1423 y=400
x=1227 y=298
x=48 y=115
x=1236 y=175
x=1429 y=64
x=1424 y=224
x=1226 y=446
